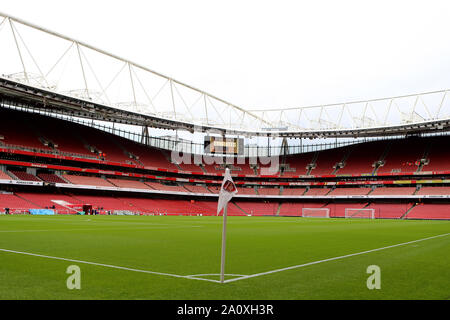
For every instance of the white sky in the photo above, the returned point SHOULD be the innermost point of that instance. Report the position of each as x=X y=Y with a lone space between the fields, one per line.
x=267 y=53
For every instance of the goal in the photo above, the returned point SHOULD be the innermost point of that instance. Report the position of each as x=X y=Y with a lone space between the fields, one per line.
x=360 y=213
x=316 y=212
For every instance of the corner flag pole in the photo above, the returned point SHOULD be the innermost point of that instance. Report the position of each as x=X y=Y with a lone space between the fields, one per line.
x=224 y=240
x=227 y=191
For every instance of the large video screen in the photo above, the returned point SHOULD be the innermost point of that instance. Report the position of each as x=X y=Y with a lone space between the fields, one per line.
x=218 y=145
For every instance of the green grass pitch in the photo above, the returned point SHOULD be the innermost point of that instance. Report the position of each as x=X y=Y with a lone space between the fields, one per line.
x=120 y=257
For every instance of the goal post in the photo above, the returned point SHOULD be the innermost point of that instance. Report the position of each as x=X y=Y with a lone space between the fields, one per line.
x=365 y=213
x=315 y=212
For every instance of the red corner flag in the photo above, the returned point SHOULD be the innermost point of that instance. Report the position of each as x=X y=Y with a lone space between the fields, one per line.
x=227 y=191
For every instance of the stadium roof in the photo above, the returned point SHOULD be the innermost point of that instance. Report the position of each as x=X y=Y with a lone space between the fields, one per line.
x=50 y=71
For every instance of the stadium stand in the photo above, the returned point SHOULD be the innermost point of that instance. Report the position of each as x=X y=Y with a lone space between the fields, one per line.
x=437 y=155
x=5 y=176
x=390 y=210
x=327 y=160
x=293 y=191
x=362 y=157
x=96 y=153
x=317 y=191
x=52 y=178
x=383 y=191
x=42 y=200
x=196 y=189
x=434 y=191
x=88 y=181
x=350 y=191
x=126 y=183
x=258 y=208
x=401 y=157
x=338 y=209
x=22 y=175
x=165 y=187
x=295 y=209
x=249 y=191
x=269 y=191
x=297 y=164
x=214 y=189
x=14 y=202
x=429 y=211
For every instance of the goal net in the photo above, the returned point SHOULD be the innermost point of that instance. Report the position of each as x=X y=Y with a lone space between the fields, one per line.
x=316 y=212
x=360 y=213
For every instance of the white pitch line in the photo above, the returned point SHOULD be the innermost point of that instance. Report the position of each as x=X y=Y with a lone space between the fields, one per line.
x=198 y=276
x=332 y=259
x=99 y=229
x=217 y=274
x=108 y=265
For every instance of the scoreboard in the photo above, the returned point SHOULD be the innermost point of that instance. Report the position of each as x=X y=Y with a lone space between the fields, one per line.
x=218 y=145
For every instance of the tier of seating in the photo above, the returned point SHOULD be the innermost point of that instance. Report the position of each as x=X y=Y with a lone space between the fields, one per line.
x=258 y=208
x=195 y=188
x=317 y=191
x=327 y=160
x=434 y=191
x=26 y=200
x=249 y=191
x=125 y=183
x=402 y=157
x=393 y=156
x=14 y=202
x=296 y=165
x=264 y=191
x=295 y=208
x=49 y=177
x=438 y=155
x=87 y=180
x=393 y=191
x=350 y=191
x=293 y=191
x=25 y=176
x=165 y=187
x=43 y=200
x=361 y=158
x=269 y=191
x=5 y=176
x=430 y=211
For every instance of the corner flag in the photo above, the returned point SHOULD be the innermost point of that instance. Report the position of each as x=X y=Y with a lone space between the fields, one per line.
x=227 y=191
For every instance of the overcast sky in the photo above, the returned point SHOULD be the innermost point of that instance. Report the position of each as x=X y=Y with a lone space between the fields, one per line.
x=260 y=54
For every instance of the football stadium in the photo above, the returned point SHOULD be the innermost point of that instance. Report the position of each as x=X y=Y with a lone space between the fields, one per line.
x=111 y=175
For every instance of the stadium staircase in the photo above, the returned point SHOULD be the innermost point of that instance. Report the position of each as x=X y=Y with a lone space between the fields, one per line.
x=29 y=201
x=132 y=159
x=424 y=160
x=242 y=210
x=312 y=165
x=382 y=160
x=405 y=215
x=279 y=209
x=343 y=161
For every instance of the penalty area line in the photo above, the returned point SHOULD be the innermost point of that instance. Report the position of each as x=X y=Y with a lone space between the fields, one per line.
x=108 y=266
x=332 y=259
